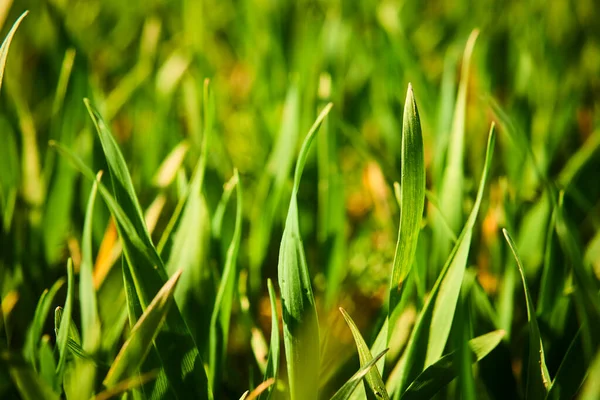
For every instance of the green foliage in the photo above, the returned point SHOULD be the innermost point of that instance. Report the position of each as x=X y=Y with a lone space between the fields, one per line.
x=397 y=216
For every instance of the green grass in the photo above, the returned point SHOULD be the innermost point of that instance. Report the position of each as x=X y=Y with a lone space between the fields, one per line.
x=192 y=191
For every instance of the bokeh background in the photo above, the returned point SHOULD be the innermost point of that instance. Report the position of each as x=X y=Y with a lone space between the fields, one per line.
x=272 y=65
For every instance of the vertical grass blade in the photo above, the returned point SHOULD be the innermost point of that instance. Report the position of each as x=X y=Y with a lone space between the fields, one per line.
x=412 y=198
x=345 y=392
x=430 y=334
x=220 y=319
x=136 y=348
x=373 y=377
x=443 y=371
x=90 y=323
x=538 y=378
x=272 y=369
x=452 y=186
x=65 y=323
x=300 y=321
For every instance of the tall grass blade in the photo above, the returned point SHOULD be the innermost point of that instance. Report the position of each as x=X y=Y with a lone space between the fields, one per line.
x=412 y=198
x=300 y=321
x=272 y=370
x=430 y=334
x=373 y=377
x=62 y=334
x=345 y=392
x=538 y=378
x=220 y=319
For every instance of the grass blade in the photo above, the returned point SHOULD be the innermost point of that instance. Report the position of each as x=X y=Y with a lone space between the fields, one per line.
x=272 y=369
x=219 y=324
x=136 y=348
x=443 y=371
x=538 y=378
x=345 y=392
x=373 y=377
x=591 y=388
x=62 y=334
x=412 y=198
x=300 y=321
x=430 y=334
x=571 y=372
x=90 y=323
x=6 y=44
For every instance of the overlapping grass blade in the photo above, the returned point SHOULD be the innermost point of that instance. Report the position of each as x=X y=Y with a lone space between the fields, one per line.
x=90 y=322
x=6 y=44
x=272 y=369
x=272 y=184
x=443 y=371
x=538 y=378
x=412 y=198
x=373 y=377
x=34 y=333
x=62 y=334
x=126 y=386
x=139 y=343
x=27 y=381
x=452 y=185
x=146 y=267
x=300 y=321
x=345 y=392
x=430 y=334
x=220 y=319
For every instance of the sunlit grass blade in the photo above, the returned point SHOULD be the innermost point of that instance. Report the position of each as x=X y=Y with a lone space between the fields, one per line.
x=452 y=184
x=260 y=389
x=430 y=334
x=373 y=377
x=345 y=392
x=6 y=44
x=139 y=343
x=220 y=319
x=90 y=323
x=443 y=371
x=538 y=378
x=65 y=322
x=272 y=370
x=412 y=198
x=300 y=321
x=272 y=184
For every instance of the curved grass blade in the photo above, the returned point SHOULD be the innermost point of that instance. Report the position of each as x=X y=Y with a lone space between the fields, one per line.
x=267 y=384
x=538 y=378
x=90 y=322
x=443 y=371
x=345 y=392
x=62 y=334
x=373 y=377
x=6 y=44
x=300 y=321
x=136 y=348
x=412 y=199
x=34 y=333
x=272 y=369
x=185 y=375
x=220 y=319
x=126 y=385
x=430 y=334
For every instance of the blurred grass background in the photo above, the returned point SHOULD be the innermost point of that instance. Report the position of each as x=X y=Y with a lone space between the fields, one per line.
x=272 y=64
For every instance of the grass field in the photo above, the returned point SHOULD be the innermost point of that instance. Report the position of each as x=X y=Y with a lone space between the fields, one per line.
x=302 y=199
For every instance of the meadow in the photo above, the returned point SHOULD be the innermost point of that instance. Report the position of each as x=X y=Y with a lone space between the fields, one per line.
x=310 y=199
